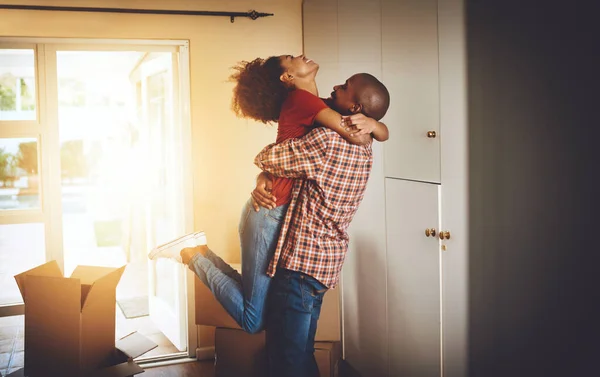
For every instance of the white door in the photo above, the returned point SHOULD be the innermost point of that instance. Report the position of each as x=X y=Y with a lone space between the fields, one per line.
x=410 y=72
x=413 y=262
x=157 y=91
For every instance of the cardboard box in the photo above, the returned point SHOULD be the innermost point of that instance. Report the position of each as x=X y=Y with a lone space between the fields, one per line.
x=328 y=356
x=127 y=348
x=239 y=354
x=69 y=322
x=209 y=312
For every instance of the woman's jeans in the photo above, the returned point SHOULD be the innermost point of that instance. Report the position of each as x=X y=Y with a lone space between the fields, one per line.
x=244 y=296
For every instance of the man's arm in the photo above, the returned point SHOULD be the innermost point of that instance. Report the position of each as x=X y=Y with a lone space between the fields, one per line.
x=262 y=195
x=296 y=158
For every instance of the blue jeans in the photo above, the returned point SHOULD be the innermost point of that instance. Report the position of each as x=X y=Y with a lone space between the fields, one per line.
x=244 y=296
x=292 y=314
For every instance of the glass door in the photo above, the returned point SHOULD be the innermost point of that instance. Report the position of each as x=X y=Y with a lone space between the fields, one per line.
x=95 y=170
x=155 y=80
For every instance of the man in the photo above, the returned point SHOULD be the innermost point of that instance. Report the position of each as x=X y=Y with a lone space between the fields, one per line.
x=332 y=177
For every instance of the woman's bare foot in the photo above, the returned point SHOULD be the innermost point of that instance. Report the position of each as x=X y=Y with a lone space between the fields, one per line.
x=188 y=253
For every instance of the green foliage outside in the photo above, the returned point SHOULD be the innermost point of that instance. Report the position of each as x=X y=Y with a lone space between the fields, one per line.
x=8 y=94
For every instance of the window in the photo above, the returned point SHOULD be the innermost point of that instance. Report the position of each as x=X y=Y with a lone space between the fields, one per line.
x=19 y=174
x=17 y=84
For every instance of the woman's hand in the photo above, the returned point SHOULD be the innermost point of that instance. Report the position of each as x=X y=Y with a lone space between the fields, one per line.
x=261 y=195
x=359 y=124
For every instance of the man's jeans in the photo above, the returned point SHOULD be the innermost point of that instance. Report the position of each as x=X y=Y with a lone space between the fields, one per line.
x=292 y=313
x=244 y=297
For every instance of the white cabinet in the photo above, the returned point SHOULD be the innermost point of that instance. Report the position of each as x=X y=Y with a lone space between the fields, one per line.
x=413 y=279
x=409 y=56
x=394 y=294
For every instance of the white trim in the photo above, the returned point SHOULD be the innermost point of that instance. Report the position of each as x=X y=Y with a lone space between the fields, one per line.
x=92 y=41
x=20 y=216
x=12 y=309
x=185 y=128
x=50 y=153
x=173 y=358
x=455 y=185
x=171 y=361
x=20 y=128
x=205 y=353
x=9 y=44
x=440 y=252
x=115 y=47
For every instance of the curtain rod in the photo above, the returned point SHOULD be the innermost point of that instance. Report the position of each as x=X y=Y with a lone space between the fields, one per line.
x=251 y=14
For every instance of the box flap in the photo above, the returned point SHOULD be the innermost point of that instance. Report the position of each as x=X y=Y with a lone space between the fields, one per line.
x=47 y=269
x=89 y=274
x=17 y=373
x=98 y=315
x=120 y=370
x=135 y=344
x=324 y=345
x=104 y=283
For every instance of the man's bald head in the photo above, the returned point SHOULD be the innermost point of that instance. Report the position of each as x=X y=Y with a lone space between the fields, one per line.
x=361 y=93
x=372 y=95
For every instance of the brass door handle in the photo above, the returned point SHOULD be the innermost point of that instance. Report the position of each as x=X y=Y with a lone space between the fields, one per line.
x=431 y=134
x=430 y=232
x=444 y=234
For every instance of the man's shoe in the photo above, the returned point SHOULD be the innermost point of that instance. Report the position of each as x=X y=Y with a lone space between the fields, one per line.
x=173 y=249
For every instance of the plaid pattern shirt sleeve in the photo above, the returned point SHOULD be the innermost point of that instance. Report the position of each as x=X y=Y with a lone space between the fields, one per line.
x=333 y=176
x=295 y=158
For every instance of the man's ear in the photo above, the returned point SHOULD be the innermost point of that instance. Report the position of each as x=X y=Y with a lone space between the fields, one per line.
x=286 y=78
x=356 y=108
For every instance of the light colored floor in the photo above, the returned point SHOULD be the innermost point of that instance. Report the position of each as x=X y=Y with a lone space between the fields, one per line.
x=11 y=344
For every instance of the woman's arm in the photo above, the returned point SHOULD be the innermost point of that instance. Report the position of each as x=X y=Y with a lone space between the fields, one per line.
x=334 y=121
x=361 y=124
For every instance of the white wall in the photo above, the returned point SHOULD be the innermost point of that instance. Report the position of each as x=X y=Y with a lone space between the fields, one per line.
x=454 y=177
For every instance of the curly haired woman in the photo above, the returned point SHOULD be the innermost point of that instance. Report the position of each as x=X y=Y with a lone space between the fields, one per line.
x=279 y=89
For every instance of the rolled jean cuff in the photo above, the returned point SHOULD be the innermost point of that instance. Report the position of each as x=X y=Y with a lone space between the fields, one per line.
x=200 y=261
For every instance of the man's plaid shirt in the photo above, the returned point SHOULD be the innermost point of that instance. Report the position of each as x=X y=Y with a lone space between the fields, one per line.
x=334 y=175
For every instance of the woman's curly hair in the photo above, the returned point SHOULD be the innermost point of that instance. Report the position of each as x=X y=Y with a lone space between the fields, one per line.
x=259 y=93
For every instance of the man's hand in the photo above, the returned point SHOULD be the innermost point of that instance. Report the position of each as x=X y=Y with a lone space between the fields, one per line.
x=261 y=196
x=359 y=124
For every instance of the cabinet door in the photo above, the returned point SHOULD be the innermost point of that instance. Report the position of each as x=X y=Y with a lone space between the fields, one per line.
x=413 y=276
x=410 y=72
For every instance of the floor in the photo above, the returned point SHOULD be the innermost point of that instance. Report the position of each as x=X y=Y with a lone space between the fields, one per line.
x=192 y=369
x=207 y=369
x=146 y=327
x=12 y=345
x=12 y=353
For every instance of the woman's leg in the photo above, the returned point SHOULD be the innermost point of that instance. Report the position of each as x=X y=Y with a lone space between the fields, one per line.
x=245 y=302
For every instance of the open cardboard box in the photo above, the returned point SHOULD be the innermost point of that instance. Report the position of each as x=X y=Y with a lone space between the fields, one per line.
x=70 y=323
